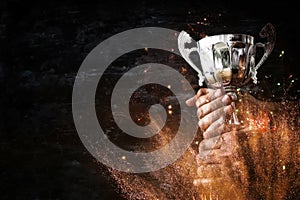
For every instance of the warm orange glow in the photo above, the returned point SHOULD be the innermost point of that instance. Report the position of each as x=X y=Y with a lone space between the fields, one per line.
x=262 y=162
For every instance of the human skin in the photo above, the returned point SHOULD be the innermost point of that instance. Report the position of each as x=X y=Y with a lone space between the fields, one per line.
x=247 y=161
x=258 y=161
x=213 y=108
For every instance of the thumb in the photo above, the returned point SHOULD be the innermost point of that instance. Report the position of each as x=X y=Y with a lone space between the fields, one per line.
x=191 y=101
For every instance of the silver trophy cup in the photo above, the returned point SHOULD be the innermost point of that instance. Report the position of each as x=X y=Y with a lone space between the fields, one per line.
x=226 y=60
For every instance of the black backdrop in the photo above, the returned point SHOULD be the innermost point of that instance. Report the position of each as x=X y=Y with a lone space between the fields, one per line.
x=42 y=44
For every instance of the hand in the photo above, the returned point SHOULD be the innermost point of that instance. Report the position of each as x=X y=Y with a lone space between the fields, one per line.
x=213 y=108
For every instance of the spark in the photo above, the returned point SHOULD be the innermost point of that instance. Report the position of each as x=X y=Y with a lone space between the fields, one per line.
x=281 y=54
x=183 y=70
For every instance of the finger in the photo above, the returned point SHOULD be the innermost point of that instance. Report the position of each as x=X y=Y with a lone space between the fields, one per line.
x=215 y=129
x=192 y=101
x=219 y=126
x=202 y=91
x=206 y=121
x=228 y=110
x=209 y=96
x=214 y=105
x=212 y=156
x=231 y=139
x=210 y=144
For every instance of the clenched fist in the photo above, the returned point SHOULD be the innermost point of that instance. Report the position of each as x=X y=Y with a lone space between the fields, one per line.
x=213 y=109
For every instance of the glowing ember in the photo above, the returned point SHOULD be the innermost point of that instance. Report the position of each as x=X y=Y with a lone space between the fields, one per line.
x=260 y=162
x=281 y=54
x=255 y=165
x=183 y=70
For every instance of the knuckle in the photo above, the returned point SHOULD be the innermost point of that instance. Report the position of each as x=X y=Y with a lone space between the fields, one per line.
x=205 y=135
x=208 y=109
x=228 y=109
x=197 y=103
x=199 y=112
x=201 y=125
x=199 y=92
x=217 y=93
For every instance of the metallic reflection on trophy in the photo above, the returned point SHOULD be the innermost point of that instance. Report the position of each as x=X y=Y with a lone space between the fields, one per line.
x=226 y=60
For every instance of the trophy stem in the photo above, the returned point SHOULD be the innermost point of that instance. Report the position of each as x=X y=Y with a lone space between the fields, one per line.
x=231 y=91
x=234 y=115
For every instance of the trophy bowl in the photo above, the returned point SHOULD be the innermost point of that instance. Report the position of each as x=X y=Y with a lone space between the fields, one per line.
x=227 y=60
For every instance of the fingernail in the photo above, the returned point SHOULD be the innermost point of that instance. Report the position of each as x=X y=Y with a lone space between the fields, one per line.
x=226 y=99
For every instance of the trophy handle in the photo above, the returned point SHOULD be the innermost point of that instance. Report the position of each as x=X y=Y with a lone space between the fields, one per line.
x=183 y=39
x=268 y=32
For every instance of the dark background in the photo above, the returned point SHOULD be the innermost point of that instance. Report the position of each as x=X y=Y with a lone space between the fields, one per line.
x=42 y=44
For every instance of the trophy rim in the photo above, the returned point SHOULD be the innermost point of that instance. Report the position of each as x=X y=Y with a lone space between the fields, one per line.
x=230 y=38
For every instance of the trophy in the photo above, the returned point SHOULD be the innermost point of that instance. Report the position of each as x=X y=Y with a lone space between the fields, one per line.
x=226 y=60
